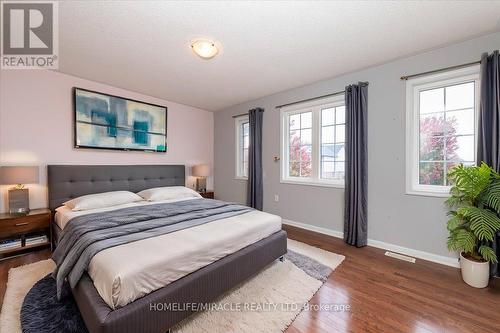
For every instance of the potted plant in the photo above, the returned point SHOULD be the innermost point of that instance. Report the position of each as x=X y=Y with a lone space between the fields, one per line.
x=474 y=220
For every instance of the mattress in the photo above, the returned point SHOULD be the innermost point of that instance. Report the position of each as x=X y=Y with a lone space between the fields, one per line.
x=127 y=272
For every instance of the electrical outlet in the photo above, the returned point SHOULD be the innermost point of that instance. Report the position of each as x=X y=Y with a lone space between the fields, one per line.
x=276 y=198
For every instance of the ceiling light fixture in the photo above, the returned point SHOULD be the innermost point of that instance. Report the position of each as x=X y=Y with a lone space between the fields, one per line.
x=204 y=48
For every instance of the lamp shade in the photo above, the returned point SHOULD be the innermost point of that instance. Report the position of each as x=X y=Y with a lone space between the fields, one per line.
x=201 y=170
x=12 y=175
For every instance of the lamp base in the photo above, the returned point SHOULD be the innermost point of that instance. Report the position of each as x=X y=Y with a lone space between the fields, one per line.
x=19 y=201
x=201 y=184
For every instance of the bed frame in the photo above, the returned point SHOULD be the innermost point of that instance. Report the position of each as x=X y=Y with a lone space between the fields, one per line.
x=150 y=313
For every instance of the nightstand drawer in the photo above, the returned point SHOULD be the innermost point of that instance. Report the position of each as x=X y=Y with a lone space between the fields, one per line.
x=207 y=195
x=24 y=224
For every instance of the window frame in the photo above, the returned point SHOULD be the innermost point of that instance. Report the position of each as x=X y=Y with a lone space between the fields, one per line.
x=238 y=122
x=315 y=107
x=413 y=89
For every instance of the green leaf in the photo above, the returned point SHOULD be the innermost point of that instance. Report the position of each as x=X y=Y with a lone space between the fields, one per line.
x=454 y=223
x=492 y=196
x=469 y=182
x=465 y=240
x=488 y=254
x=475 y=204
x=484 y=223
x=452 y=243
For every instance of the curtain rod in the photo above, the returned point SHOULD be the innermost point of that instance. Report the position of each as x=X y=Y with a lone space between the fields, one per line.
x=319 y=97
x=441 y=70
x=240 y=115
x=305 y=100
x=311 y=99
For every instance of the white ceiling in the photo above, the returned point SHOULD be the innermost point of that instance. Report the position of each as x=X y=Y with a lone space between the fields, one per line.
x=267 y=47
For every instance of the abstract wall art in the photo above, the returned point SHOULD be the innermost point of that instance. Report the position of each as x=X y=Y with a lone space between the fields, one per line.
x=104 y=121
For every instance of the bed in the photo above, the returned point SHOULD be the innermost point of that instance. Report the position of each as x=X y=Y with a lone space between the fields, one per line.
x=202 y=271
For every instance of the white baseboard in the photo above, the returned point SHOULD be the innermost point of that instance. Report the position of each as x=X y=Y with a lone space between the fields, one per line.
x=321 y=230
x=448 y=261
x=443 y=260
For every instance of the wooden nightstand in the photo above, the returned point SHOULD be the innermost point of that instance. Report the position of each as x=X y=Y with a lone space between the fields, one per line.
x=207 y=194
x=21 y=227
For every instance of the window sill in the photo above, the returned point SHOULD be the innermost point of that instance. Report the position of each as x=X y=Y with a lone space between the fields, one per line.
x=240 y=178
x=428 y=194
x=311 y=183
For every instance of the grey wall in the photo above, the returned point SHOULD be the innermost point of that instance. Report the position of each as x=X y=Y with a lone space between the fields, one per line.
x=394 y=217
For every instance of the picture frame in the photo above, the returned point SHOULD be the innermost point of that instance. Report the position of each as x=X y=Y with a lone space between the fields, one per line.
x=105 y=121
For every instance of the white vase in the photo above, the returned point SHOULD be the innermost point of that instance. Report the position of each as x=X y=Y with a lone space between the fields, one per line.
x=474 y=273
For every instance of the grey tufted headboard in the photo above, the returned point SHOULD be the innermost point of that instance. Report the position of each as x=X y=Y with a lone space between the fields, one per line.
x=70 y=181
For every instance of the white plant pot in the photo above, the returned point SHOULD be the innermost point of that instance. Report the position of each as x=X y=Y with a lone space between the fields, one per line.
x=475 y=274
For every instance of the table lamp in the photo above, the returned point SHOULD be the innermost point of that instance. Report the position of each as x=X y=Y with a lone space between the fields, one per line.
x=201 y=172
x=18 y=195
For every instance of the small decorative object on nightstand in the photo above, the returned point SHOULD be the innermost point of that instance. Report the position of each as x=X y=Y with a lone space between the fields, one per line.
x=24 y=233
x=201 y=172
x=18 y=195
x=207 y=194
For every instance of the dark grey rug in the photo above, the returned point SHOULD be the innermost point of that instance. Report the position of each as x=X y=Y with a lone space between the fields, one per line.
x=309 y=266
x=41 y=312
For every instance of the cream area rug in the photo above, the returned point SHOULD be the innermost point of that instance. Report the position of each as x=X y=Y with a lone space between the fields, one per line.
x=20 y=281
x=268 y=302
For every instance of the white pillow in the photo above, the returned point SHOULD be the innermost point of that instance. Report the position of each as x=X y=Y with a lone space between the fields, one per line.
x=102 y=200
x=168 y=193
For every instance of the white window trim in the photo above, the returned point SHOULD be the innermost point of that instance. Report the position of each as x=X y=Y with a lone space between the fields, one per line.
x=237 y=125
x=319 y=104
x=413 y=87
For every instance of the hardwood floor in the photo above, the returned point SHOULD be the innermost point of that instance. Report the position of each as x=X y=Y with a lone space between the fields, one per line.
x=385 y=294
x=7 y=264
x=390 y=295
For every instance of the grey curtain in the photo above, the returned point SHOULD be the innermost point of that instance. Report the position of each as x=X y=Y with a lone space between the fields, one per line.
x=255 y=191
x=489 y=124
x=356 y=167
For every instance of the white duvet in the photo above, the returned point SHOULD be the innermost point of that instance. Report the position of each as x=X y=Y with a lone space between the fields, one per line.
x=127 y=272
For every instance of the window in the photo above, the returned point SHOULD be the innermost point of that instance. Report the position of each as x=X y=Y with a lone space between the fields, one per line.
x=441 y=128
x=313 y=142
x=333 y=143
x=242 y=141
